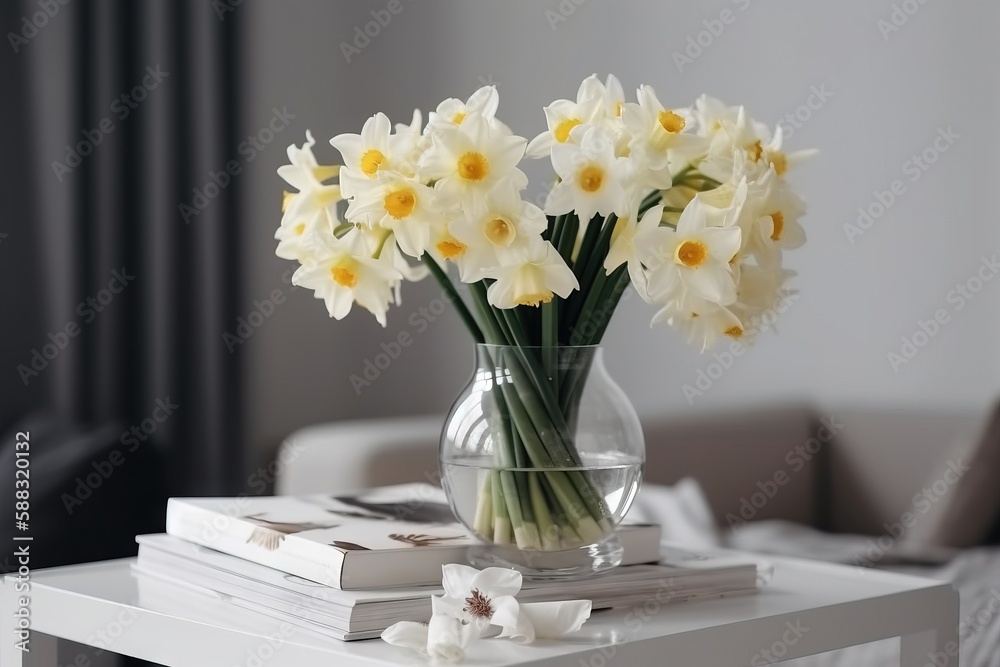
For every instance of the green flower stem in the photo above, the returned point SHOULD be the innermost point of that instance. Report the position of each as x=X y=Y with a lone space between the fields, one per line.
x=501 y=521
x=571 y=499
x=594 y=266
x=446 y=284
x=483 y=523
x=550 y=344
x=587 y=253
x=567 y=239
x=548 y=533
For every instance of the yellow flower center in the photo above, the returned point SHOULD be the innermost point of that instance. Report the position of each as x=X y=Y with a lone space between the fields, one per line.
x=300 y=229
x=692 y=254
x=670 y=122
x=343 y=276
x=286 y=200
x=473 y=166
x=734 y=332
x=451 y=248
x=458 y=118
x=534 y=300
x=590 y=178
x=779 y=225
x=371 y=160
x=756 y=151
x=399 y=204
x=618 y=108
x=780 y=162
x=562 y=130
x=500 y=232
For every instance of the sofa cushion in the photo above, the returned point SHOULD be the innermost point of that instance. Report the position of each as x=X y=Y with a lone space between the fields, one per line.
x=960 y=504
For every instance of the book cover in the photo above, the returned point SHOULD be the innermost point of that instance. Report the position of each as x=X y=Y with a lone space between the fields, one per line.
x=390 y=536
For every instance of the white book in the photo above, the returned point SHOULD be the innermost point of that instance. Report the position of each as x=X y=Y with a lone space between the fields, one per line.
x=683 y=576
x=391 y=536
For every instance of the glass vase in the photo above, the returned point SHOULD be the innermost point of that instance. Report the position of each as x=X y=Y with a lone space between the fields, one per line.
x=541 y=455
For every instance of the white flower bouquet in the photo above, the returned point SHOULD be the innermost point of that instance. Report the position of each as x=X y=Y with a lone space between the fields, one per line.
x=689 y=206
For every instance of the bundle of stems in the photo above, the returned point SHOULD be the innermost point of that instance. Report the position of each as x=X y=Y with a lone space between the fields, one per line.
x=537 y=495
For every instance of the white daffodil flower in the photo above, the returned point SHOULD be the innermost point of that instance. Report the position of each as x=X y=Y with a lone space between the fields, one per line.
x=307 y=176
x=712 y=114
x=773 y=224
x=453 y=112
x=374 y=149
x=742 y=136
x=410 y=144
x=656 y=132
x=535 y=281
x=781 y=161
x=467 y=160
x=563 y=115
x=693 y=257
x=481 y=598
x=761 y=290
x=343 y=272
x=392 y=201
x=702 y=322
x=497 y=230
x=297 y=235
x=591 y=176
x=623 y=248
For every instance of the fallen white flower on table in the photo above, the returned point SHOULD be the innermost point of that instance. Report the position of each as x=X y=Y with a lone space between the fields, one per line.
x=481 y=603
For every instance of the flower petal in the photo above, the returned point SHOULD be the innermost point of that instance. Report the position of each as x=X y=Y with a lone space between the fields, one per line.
x=552 y=620
x=457 y=579
x=447 y=638
x=497 y=581
x=407 y=634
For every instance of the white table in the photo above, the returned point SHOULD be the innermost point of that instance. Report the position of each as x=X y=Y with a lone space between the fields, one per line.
x=808 y=608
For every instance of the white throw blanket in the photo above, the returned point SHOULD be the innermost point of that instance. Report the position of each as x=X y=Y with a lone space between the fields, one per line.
x=687 y=519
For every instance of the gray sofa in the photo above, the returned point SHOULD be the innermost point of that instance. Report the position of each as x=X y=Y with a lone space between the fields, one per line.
x=846 y=471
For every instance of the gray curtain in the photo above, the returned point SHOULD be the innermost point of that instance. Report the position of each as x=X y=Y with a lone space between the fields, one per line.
x=121 y=112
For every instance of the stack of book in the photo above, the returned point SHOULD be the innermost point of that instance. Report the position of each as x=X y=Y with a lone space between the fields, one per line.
x=349 y=566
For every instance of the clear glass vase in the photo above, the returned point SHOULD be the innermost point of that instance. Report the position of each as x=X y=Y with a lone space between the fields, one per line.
x=542 y=454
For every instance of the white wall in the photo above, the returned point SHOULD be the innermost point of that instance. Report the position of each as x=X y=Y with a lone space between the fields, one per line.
x=890 y=95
